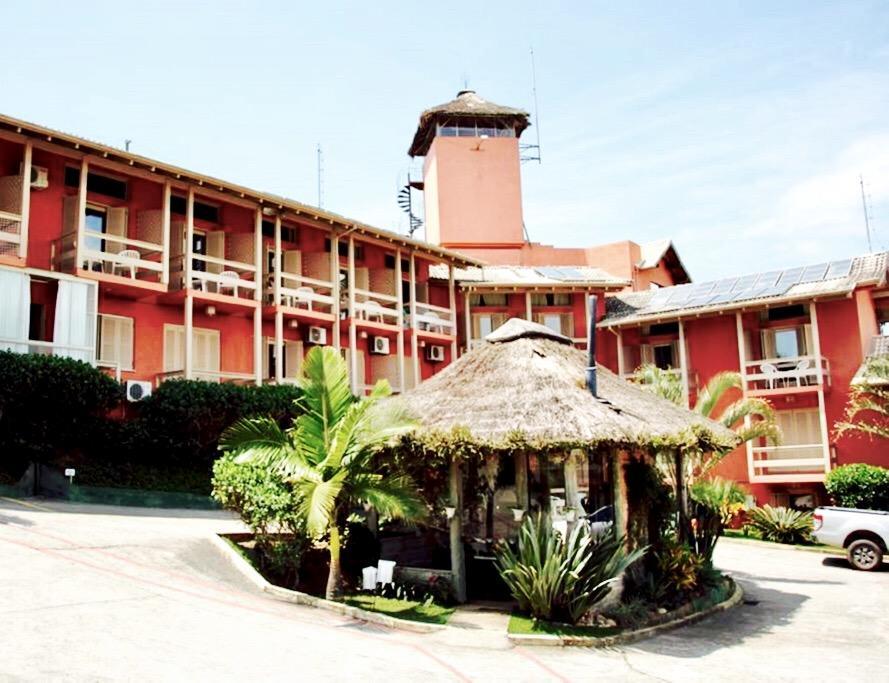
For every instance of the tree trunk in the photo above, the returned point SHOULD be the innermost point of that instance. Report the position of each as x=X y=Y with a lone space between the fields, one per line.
x=334 y=583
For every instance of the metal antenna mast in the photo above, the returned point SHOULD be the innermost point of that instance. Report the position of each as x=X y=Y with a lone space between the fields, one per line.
x=866 y=217
x=320 y=171
x=126 y=144
x=532 y=152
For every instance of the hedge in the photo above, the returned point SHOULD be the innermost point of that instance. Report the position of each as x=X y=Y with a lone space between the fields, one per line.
x=859 y=486
x=65 y=413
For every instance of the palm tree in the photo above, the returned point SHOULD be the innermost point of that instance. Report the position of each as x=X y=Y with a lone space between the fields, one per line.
x=867 y=411
x=761 y=422
x=328 y=452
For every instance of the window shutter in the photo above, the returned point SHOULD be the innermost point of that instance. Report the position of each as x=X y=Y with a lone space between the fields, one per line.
x=293 y=358
x=768 y=344
x=69 y=215
x=216 y=249
x=806 y=346
x=115 y=224
x=647 y=354
x=174 y=348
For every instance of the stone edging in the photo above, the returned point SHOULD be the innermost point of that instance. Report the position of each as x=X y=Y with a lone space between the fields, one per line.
x=825 y=550
x=631 y=636
x=298 y=598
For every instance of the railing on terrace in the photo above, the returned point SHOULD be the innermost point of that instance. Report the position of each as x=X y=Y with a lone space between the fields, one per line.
x=376 y=307
x=234 y=278
x=10 y=233
x=879 y=346
x=630 y=376
x=48 y=348
x=133 y=259
x=209 y=376
x=433 y=318
x=788 y=459
x=299 y=291
x=771 y=374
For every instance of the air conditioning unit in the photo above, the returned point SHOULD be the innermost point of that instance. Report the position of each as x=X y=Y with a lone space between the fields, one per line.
x=435 y=353
x=137 y=390
x=380 y=346
x=39 y=177
x=317 y=335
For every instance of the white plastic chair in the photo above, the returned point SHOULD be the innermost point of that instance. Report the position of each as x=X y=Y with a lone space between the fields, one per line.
x=772 y=374
x=129 y=257
x=430 y=324
x=800 y=372
x=369 y=578
x=304 y=295
x=232 y=279
x=385 y=571
x=373 y=310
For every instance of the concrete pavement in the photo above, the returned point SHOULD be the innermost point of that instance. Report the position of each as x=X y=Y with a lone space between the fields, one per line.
x=103 y=593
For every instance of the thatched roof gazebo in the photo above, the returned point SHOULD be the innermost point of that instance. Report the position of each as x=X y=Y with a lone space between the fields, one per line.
x=523 y=393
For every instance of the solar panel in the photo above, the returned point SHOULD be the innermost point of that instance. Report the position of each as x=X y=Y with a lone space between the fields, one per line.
x=704 y=288
x=724 y=285
x=790 y=277
x=551 y=273
x=745 y=282
x=769 y=279
x=776 y=290
x=699 y=300
x=814 y=273
x=658 y=300
x=680 y=294
x=752 y=293
x=723 y=297
x=839 y=269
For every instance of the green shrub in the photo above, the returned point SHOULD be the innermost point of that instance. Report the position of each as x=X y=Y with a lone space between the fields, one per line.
x=714 y=503
x=781 y=525
x=679 y=568
x=268 y=506
x=559 y=579
x=859 y=486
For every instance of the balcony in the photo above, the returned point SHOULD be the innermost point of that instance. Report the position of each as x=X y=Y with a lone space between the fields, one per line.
x=777 y=376
x=788 y=463
x=10 y=215
x=307 y=296
x=129 y=263
x=215 y=376
x=375 y=307
x=432 y=321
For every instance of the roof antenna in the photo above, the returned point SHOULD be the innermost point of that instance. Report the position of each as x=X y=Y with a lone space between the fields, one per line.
x=320 y=172
x=532 y=152
x=867 y=217
x=126 y=144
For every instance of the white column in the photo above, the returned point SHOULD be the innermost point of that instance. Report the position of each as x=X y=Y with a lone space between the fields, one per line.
x=165 y=234
x=528 y=313
x=400 y=304
x=822 y=412
x=353 y=332
x=683 y=362
x=620 y=351
x=257 y=297
x=189 y=237
x=26 y=201
x=335 y=288
x=415 y=346
x=742 y=360
x=81 y=212
x=189 y=333
x=468 y=317
x=586 y=319
x=279 y=314
x=452 y=304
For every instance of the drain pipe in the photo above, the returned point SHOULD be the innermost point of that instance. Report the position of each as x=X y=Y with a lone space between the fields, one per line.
x=591 y=381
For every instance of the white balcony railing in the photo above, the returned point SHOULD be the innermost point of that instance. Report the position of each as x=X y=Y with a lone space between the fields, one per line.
x=433 y=318
x=223 y=276
x=209 y=376
x=771 y=374
x=788 y=460
x=376 y=307
x=48 y=348
x=10 y=233
x=133 y=259
x=299 y=291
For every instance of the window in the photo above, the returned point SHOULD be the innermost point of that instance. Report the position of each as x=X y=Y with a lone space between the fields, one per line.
x=343 y=249
x=95 y=224
x=389 y=262
x=205 y=354
x=663 y=356
x=485 y=323
x=786 y=312
x=115 y=340
x=199 y=247
x=663 y=329
x=551 y=299
x=561 y=323
x=787 y=342
x=288 y=233
x=95 y=182
x=487 y=299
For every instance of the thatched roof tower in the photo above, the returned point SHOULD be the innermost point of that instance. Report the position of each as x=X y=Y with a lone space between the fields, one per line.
x=526 y=385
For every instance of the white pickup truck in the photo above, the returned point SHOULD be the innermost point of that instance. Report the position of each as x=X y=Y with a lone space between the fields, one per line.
x=863 y=533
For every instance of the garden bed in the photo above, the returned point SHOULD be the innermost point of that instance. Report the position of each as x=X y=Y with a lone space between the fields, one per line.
x=736 y=534
x=427 y=613
x=527 y=631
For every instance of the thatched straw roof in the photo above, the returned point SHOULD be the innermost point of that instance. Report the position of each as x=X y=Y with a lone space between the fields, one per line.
x=527 y=385
x=466 y=106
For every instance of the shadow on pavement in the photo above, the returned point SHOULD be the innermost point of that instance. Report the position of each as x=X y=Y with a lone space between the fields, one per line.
x=842 y=563
x=54 y=505
x=762 y=611
x=12 y=519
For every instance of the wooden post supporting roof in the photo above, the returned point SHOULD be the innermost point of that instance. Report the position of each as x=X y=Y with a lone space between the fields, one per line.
x=25 y=204
x=458 y=562
x=619 y=482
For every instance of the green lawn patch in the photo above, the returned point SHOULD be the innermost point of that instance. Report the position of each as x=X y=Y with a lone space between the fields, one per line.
x=402 y=609
x=522 y=625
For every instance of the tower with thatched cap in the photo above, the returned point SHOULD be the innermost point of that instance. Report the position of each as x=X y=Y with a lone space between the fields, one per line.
x=521 y=399
x=471 y=174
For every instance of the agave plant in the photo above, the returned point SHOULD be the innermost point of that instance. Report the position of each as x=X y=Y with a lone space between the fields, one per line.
x=715 y=502
x=782 y=525
x=558 y=579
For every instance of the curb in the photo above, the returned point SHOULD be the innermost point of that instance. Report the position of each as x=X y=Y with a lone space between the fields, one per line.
x=632 y=636
x=826 y=550
x=298 y=598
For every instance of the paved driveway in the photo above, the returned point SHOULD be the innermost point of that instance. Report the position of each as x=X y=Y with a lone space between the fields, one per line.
x=100 y=593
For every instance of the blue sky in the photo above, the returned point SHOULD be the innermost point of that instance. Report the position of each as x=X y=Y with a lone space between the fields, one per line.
x=736 y=128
